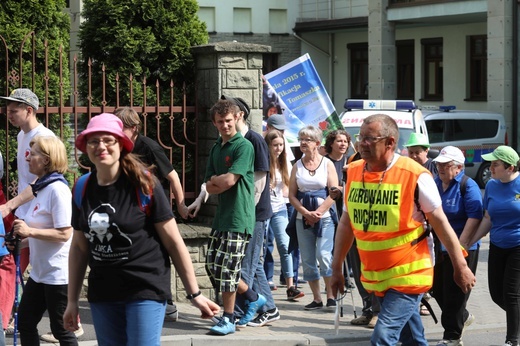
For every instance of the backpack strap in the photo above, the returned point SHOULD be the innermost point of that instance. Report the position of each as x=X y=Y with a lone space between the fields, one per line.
x=463 y=182
x=427 y=226
x=144 y=200
x=78 y=191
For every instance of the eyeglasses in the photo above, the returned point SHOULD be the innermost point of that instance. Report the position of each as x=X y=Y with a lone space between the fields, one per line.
x=306 y=140
x=444 y=165
x=368 y=139
x=108 y=142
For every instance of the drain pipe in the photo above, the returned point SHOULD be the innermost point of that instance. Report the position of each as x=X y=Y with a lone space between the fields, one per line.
x=311 y=44
x=514 y=105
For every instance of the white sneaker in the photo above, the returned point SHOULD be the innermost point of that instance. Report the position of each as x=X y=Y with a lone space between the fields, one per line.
x=171 y=314
x=50 y=338
x=445 y=342
x=469 y=320
x=467 y=323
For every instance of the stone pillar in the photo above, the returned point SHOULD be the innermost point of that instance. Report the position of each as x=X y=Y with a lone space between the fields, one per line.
x=382 y=75
x=233 y=69
x=500 y=59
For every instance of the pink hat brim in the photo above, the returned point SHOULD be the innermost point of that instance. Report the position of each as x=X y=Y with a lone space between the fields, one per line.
x=105 y=123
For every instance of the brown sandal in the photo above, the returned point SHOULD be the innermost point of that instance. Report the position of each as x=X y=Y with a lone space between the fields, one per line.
x=361 y=320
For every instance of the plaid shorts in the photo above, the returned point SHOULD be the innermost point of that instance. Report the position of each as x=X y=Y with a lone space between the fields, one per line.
x=224 y=259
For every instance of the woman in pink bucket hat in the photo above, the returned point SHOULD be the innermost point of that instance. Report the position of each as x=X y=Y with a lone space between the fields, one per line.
x=127 y=247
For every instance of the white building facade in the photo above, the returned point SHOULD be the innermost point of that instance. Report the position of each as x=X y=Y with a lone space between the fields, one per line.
x=435 y=52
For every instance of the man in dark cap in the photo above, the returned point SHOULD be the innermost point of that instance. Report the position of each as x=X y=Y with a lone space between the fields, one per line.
x=253 y=272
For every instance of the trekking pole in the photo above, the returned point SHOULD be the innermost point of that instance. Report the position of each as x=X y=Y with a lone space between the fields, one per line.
x=15 y=241
x=339 y=312
x=351 y=293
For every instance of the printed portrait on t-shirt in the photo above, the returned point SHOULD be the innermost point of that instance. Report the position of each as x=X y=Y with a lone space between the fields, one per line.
x=108 y=243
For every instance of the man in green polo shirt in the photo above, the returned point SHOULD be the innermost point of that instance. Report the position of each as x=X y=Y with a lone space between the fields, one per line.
x=230 y=175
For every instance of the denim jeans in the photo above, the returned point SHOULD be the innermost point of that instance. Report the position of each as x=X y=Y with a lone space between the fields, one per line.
x=399 y=320
x=295 y=252
x=130 y=323
x=316 y=250
x=253 y=272
x=278 y=223
x=268 y=254
x=2 y=336
x=37 y=298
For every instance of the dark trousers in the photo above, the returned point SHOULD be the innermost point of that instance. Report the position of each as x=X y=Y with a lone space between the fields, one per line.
x=450 y=297
x=36 y=299
x=504 y=286
x=371 y=304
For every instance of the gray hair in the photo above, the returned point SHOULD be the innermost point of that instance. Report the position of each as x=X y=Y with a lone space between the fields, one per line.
x=311 y=132
x=389 y=127
x=458 y=163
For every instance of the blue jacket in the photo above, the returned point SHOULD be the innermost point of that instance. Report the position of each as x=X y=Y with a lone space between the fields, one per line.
x=310 y=202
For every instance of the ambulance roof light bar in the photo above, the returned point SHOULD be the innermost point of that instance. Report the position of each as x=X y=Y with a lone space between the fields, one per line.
x=402 y=105
x=447 y=108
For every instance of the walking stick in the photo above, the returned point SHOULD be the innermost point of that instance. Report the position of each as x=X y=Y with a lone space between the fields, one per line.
x=345 y=263
x=15 y=242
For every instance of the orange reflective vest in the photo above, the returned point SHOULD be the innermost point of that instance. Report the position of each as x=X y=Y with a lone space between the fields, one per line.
x=381 y=217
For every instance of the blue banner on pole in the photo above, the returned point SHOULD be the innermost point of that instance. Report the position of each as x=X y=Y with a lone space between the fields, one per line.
x=301 y=98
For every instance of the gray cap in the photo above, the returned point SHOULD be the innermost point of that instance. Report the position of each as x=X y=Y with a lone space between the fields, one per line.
x=277 y=121
x=23 y=96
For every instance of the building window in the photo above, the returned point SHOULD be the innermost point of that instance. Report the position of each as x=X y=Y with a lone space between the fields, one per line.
x=405 y=70
x=358 y=70
x=478 y=68
x=432 y=73
x=207 y=15
x=270 y=62
x=278 y=22
x=242 y=21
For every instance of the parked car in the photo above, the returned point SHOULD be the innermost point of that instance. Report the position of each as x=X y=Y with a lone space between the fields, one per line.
x=407 y=116
x=474 y=132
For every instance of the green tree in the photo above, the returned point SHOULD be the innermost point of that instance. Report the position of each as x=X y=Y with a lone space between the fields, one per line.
x=137 y=41
x=34 y=34
x=140 y=38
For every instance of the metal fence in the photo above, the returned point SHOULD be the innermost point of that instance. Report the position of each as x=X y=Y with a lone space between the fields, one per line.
x=173 y=126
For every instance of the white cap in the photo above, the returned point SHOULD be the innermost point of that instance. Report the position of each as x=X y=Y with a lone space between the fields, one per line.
x=450 y=153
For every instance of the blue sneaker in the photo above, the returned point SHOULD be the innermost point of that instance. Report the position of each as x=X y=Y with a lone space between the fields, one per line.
x=223 y=327
x=252 y=309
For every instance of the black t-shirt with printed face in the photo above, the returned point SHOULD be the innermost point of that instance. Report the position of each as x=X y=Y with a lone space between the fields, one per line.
x=127 y=260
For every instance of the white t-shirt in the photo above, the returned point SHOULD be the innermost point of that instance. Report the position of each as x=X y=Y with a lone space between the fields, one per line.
x=307 y=182
x=24 y=176
x=52 y=208
x=278 y=201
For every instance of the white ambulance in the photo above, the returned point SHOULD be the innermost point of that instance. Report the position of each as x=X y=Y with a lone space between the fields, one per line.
x=405 y=113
